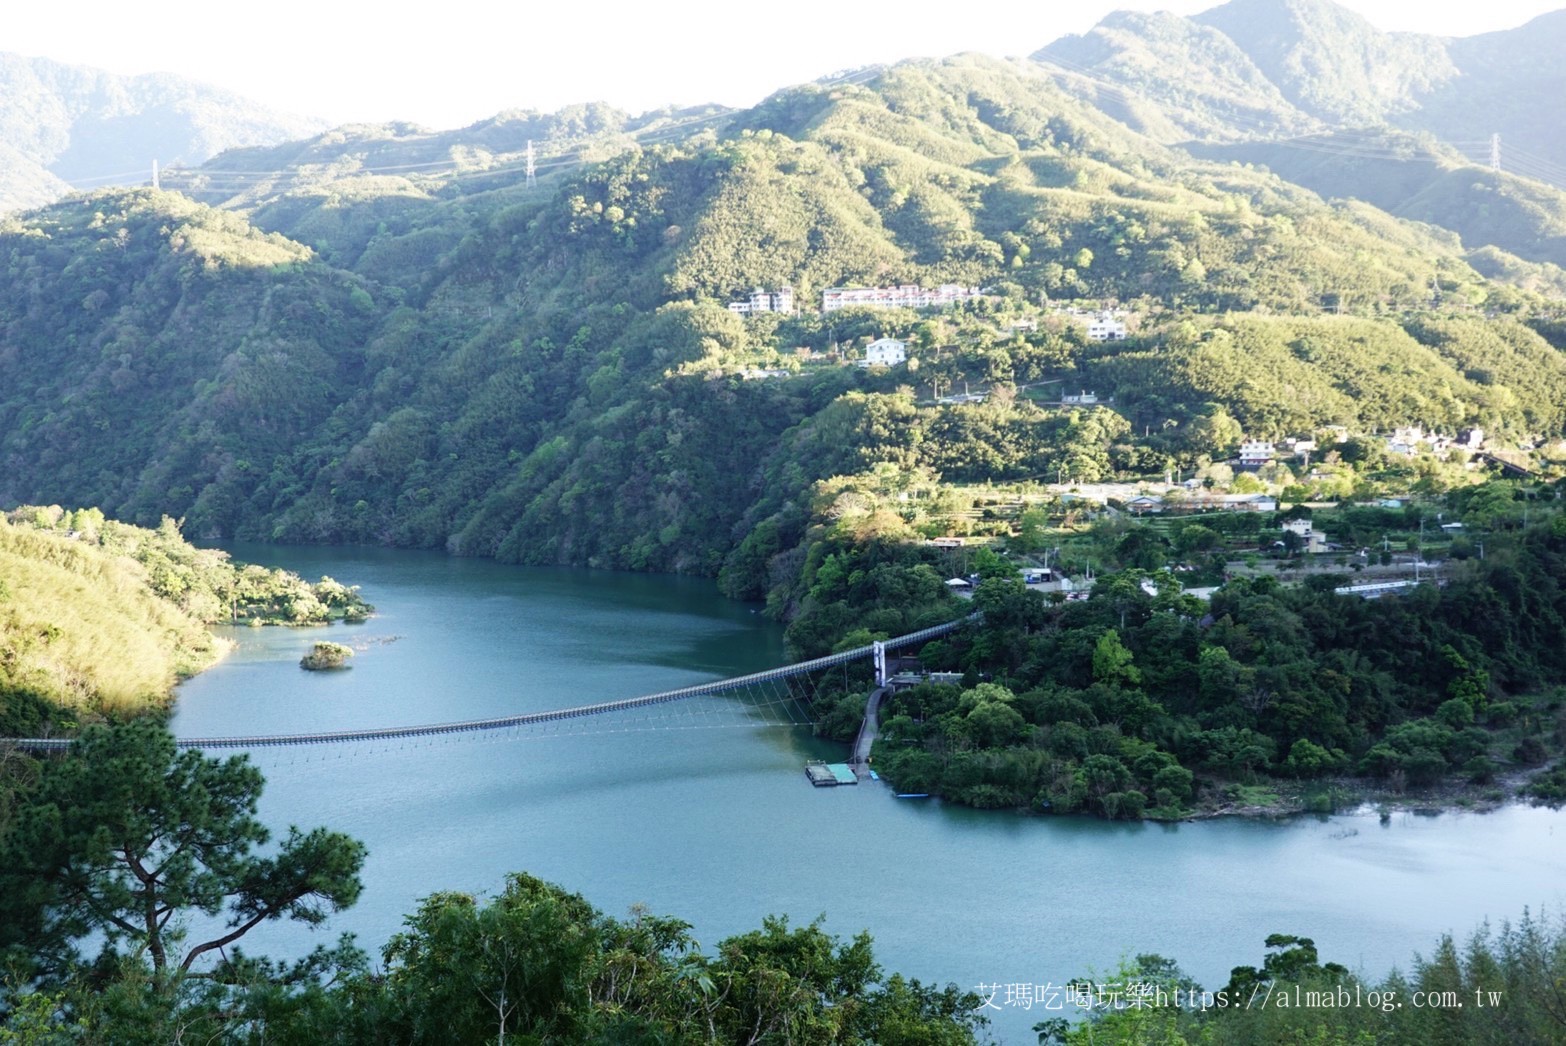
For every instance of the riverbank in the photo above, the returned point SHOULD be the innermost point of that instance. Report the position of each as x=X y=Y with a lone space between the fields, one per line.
x=1336 y=795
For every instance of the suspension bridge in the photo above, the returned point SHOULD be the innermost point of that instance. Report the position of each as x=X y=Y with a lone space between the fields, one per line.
x=784 y=676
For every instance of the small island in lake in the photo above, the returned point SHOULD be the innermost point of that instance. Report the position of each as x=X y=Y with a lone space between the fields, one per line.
x=325 y=656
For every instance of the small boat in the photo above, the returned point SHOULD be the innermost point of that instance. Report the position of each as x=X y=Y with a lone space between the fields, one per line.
x=913 y=795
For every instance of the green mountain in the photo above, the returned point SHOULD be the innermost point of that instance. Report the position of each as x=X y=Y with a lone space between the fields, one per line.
x=1319 y=96
x=63 y=125
x=1416 y=177
x=1174 y=79
x=395 y=338
x=1330 y=62
x=1267 y=70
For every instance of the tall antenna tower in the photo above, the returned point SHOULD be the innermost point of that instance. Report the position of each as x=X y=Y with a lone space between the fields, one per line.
x=1495 y=152
x=155 y=184
x=531 y=180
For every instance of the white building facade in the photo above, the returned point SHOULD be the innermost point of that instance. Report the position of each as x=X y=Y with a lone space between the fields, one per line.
x=905 y=296
x=885 y=352
x=780 y=300
x=1106 y=327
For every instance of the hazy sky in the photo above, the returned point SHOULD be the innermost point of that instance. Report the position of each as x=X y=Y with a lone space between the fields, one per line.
x=449 y=64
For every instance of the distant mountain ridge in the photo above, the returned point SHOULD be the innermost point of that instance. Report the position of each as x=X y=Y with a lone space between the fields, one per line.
x=1331 y=62
x=64 y=126
x=1252 y=69
x=1326 y=100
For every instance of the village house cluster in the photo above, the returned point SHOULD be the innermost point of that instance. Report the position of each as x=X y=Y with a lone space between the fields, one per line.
x=1406 y=441
x=1409 y=440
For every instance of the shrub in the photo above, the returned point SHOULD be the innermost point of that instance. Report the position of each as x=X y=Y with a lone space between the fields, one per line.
x=325 y=656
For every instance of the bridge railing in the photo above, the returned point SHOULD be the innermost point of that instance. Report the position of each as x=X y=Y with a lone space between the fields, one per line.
x=717 y=686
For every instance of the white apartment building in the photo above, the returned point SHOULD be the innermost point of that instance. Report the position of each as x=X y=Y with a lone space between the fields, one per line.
x=905 y=296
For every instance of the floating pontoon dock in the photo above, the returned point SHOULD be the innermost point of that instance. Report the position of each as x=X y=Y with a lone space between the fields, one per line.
x=828 y=775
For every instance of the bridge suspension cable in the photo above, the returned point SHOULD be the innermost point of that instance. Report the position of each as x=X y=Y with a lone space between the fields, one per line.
x=556 y=715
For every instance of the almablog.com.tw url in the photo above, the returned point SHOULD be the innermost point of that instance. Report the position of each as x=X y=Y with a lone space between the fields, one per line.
x=1125 y=995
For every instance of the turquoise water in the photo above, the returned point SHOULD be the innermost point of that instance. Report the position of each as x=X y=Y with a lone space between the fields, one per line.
x=715 y=823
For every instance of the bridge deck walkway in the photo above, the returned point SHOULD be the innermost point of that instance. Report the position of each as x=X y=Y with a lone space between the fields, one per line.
x=868 y=730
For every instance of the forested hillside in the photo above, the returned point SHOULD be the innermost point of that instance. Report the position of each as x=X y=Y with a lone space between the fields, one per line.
x=445 y=356
x=1416 y=178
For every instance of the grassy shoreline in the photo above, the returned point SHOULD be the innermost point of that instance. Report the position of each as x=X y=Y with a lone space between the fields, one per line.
x=101 y=620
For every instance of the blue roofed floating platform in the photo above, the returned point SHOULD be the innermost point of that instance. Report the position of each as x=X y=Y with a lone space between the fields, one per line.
x=830 y=775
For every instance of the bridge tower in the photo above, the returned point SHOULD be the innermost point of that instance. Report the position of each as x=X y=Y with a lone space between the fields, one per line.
x=878 y=652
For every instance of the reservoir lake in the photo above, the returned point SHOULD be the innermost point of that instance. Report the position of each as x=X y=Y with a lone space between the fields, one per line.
x=707 y=816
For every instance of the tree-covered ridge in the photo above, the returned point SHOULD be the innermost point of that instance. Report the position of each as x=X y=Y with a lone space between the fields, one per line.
x=1331 y=62
x=143 y=333
x=1415 y=177
x=549 y=373
x=1219 y=95
x=1136 y=700
x=1285 y=375
x=101 y=619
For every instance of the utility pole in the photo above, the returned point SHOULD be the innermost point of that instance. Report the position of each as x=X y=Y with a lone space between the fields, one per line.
x=531 y=180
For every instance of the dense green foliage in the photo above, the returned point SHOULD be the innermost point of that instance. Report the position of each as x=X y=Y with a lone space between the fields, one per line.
x=114 y=846
x=1499 y=986
x=1414 y=178
x=1127 y=704
x=1279 y=376
x=455 y=360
